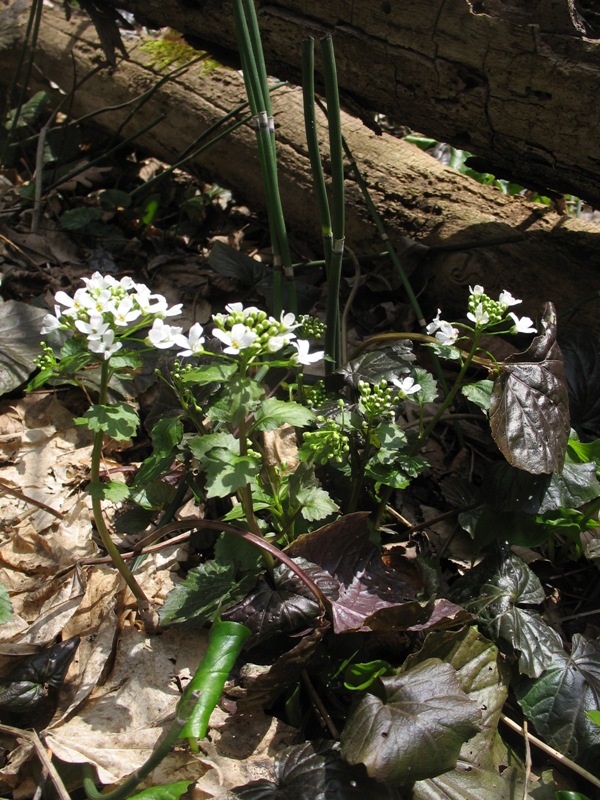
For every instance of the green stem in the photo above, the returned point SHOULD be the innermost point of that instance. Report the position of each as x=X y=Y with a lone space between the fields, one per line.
x=449 y=397
x=332 y=334
x=101 y=527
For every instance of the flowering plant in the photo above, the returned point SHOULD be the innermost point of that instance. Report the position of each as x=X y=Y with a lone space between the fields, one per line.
x=355 y=448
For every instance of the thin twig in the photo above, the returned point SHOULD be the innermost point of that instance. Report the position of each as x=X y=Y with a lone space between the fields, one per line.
x=47 y=765
x=550 y=751
x=319 y=705
x=527 y=759
x=16 y=493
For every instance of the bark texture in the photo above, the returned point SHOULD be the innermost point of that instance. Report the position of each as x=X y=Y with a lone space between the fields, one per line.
x=549 y=257
x=517 y=83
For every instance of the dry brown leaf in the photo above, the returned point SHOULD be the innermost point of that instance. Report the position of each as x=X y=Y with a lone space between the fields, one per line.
x=119 y=725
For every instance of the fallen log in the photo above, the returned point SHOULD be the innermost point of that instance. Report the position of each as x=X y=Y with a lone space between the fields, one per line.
x=513 y=82
x=524 y=247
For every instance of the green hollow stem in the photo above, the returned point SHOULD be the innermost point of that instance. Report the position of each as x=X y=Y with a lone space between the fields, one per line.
x=101 y=526
x=312 y=143
x=332 y=335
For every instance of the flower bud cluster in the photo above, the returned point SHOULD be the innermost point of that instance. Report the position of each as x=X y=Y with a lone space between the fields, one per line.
x=327 y=443
x=106 y=311
x=311 y=327
x=378 y=400
x=484 y=311
x=316 y=395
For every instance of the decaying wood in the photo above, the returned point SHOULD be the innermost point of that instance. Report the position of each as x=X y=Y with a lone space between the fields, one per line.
x=554 y=257
x=515 y=82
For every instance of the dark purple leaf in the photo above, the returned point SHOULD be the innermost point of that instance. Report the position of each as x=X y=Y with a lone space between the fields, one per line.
x=415 y=728
x=281 y=603
x=315 y=770
x=367 y=586
x=529 y=413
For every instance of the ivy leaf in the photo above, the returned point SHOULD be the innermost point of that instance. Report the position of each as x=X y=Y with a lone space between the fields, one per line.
x=226 y=472
x=415 y=728
x=498 y=591
x=283 y=604
x=315 y=770
x=557 y=701
x=206 y=590
x=529 y=412
x=119 y=421
x=273 y=413
x=482 y=675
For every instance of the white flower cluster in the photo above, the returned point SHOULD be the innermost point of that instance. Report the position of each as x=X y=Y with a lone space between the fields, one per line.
x=253 y=331
x=106 y=311
x=484 y=312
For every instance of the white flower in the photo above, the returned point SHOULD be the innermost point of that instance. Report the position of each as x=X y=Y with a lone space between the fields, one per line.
x=506 y=299
x=50 y=323
x=192 y=343
x=125 y=312
x=442 y=330
x=162 y=336
x=81 y=301
x=288 y=321
x=522 y=325
x=239 y=338
x=238 y=308
x=477 y=289
x=302 y=356
x=105 y=345
x=479 y=316
x=275 y=343
x=155 y=304
x=94 y=329
x=406 y=385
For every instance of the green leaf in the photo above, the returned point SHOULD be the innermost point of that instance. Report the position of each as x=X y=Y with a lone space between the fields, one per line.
x=390 y=436
x=415 y=728
x=168 y=791
x=115 y=491
x=166 y=435
x=557 y=701
x=499 y=591
x=358 y=677
x=202 y=444
x=227 y=472
x=594 y=716
x=273 y=413
x=206 y=591
x=126 y=360
x=76 y=218
x=429 y=388
x=212 y=373
x=240 y=398
x=19 y=342
x=119 y=421
x=479 y=393
x=315 y=503
x=583 y=452
x=529 y=413
x=482 y=675
x=6 y=608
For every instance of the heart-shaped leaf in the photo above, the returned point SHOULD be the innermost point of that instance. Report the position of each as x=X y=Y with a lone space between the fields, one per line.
x=415 y=729
x=498 y=591
x=556 y=703
x=315 y=770
x=529 y=412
